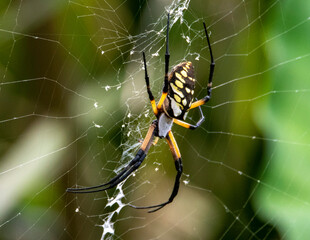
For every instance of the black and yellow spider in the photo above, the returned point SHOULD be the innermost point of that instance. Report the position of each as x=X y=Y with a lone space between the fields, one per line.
x=175 y=102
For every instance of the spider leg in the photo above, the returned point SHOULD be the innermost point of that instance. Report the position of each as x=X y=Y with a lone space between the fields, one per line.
x=132 y=166
x=147 y=81
x=179 y=167
x=167 y=57
x=209 y=86
x=190 y=126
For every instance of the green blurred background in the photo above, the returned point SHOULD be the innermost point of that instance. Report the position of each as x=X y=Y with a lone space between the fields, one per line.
x=73 y=107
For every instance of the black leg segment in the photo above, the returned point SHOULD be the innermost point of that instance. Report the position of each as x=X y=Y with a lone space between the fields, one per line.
x=167 y=57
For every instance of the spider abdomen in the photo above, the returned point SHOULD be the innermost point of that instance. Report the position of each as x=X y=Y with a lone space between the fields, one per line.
x=180 y=91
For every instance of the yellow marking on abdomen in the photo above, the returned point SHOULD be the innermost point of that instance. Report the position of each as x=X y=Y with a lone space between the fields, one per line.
x=179 y=76
x=184 y=73
x=176 y=90
x=178 y=83
x=177 y=98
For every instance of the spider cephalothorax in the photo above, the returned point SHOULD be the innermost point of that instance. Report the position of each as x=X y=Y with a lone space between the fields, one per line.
x=175 y=102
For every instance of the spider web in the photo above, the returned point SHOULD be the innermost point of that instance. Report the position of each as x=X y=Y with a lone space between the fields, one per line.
x=74 y=111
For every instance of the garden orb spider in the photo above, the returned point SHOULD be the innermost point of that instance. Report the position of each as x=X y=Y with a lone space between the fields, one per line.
x=173 y=106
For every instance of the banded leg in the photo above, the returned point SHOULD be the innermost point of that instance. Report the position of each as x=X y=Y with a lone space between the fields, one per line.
x=179 y=167
x=147 y=81
x=132 y=166
x=190 y=126
x=209 y=86
x=167 y=57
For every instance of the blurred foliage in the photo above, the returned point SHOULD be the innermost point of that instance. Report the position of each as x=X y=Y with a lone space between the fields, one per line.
x=284 y=197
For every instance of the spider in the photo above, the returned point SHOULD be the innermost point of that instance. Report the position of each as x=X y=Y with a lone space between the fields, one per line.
x=175 y=102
